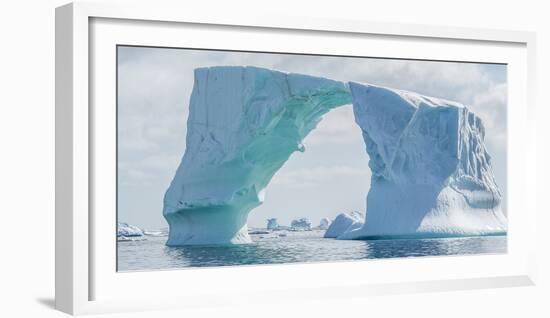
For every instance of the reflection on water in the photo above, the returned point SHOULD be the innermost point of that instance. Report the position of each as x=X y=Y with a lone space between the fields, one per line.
x=305 y=247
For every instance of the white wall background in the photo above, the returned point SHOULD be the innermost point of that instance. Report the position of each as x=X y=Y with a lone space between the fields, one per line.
x=27 y=158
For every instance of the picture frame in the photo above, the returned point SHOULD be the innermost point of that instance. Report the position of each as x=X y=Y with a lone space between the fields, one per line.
x=85 y=280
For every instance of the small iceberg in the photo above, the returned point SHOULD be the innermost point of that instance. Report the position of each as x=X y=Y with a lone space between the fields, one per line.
x=301 y=224
x=324 y=224
x=127 y=232
x=345 y=222
x=272 y=224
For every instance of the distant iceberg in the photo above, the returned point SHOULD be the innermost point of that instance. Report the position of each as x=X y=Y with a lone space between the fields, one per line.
x=324 y=223
x=272 y=224
x=345 y=222
x=301 y=224
x=127 y=230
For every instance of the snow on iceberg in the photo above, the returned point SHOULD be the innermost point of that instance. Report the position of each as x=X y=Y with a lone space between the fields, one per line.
x=243 y=125
x=127 y=230
x=431 y=173
x=344 y=222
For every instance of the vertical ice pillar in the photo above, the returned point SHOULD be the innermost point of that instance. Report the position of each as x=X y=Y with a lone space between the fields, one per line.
x=431 y=173
x=244 y=123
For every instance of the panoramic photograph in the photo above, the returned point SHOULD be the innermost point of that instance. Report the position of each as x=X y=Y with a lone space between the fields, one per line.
x=229 y=158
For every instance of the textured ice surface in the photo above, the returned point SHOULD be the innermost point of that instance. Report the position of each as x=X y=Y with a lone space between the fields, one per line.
x=431 y=173
x=345 y=222
x=127 y=230
x=244 y=123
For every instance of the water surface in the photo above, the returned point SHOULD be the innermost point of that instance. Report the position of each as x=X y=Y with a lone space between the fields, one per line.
x=296 y=247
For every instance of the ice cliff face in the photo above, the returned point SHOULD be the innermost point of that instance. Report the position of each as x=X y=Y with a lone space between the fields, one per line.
x=244 y=123
x=431 y=173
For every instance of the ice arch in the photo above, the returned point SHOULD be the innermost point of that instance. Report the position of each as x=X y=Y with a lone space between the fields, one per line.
x=430 y=171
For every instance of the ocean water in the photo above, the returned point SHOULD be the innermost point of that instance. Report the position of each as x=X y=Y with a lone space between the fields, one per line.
x=151 y=253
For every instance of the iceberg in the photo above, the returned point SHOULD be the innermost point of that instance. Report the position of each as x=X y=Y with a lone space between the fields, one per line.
x=272 y=224
x=324 y=223
x=431 y=173
x=243 y=125
x=301 y=224
x=344 y=222
x=127 y=230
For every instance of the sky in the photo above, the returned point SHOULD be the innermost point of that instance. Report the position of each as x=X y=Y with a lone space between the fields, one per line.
x=330 y=177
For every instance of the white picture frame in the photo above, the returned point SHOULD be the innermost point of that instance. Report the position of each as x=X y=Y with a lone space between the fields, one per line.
x=78 y=252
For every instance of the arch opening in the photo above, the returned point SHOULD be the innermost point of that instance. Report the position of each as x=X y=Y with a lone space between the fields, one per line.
x=330 y=177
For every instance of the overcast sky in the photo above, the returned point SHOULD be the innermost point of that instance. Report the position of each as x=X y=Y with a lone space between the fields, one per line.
x=330 y=177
